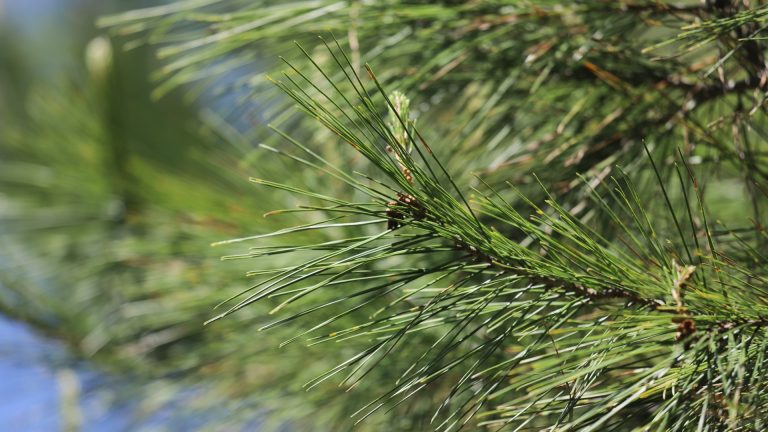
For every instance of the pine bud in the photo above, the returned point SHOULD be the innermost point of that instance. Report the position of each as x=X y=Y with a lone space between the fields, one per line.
x=98 y=57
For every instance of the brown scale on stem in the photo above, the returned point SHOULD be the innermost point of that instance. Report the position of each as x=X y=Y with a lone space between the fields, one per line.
x=685 y=326
x=405 y=207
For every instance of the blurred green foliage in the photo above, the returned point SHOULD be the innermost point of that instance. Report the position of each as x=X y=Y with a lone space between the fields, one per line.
x=110 y=200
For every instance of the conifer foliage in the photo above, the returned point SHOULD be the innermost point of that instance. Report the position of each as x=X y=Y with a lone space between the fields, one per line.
x=539 y=215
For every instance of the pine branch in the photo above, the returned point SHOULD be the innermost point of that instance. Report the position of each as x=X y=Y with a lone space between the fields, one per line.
x=574 y=272
x=570 y=303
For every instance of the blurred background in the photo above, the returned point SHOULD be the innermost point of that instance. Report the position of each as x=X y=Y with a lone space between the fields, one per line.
x=109 y=201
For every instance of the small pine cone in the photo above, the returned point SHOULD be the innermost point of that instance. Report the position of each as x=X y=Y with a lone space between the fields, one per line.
x=686 y=328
